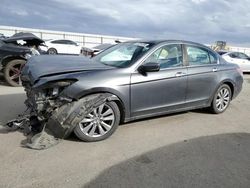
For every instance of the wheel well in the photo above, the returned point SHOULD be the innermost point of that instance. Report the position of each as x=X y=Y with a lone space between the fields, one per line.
x=8 y=59
x=122 y=110
x=115 y=99
x=52 y=48
x=231 y=87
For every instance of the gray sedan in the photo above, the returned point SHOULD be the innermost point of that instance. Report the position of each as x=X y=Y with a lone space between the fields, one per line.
x=128 y=81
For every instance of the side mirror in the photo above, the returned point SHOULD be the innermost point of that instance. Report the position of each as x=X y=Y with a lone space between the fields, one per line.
x=149 y=67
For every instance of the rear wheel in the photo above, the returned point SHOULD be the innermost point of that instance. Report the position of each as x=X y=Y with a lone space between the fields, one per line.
x=12 y=72
x=221 y=99
x=99 y=124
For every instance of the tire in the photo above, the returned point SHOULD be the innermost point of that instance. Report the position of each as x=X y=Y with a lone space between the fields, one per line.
x=52 y=51
x=89 y=129
x=221 y=99
x=12 y=72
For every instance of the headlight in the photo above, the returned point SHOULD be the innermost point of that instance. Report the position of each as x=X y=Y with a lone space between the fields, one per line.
x=62 y=83
x=56 y=87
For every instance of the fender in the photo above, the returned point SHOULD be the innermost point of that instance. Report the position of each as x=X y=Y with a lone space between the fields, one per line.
x=9 y=58
x=112 y=95
x=231 y=85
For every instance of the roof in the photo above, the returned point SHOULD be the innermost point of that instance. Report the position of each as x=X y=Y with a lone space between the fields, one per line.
x=167 y=41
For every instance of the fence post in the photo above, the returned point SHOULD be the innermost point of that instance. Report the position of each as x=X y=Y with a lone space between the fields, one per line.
x=83 y=40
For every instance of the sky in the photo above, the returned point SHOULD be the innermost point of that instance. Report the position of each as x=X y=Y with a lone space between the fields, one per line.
x=203 y=21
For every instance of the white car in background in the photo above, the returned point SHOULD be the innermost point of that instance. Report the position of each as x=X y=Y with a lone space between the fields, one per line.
x=62 y=46
x=238 y=58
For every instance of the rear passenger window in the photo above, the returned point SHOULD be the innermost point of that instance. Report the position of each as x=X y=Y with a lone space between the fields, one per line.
x=197 y=56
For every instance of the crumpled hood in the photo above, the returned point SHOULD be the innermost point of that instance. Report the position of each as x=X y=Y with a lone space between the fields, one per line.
x=24 y=37
x=48 y=65
x=10 y=47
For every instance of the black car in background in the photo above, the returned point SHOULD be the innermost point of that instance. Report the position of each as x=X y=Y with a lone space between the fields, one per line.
x=14 y=52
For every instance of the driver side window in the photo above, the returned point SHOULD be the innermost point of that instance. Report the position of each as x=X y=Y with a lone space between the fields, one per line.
x=167 y=56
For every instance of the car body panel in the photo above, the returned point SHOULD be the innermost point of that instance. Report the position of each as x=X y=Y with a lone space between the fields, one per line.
x=202 y=82
x=42 y=66
x=10 y=51
x=158 y=91
x=25 y=37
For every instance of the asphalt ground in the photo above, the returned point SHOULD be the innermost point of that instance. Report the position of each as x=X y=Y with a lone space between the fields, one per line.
x=189 y=149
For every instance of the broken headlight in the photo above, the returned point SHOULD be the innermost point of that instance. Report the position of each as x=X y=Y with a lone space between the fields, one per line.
x=55 y=88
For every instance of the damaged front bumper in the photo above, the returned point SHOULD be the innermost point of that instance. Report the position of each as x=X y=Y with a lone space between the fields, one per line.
x=53 y=117
x=43 y=101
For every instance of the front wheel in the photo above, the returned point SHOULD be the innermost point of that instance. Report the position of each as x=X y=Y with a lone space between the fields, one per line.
x=99 y=124
x=12 y=72
x=221 y=99
x=52 y=51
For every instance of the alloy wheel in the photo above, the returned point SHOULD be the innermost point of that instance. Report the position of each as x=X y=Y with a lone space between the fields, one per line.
x=12 y=72
x=98 y=122
x=15 y=73
x=222 y=99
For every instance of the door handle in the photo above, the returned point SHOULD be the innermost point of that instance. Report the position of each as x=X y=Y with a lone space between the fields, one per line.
x=179 y=74
x=215 y=70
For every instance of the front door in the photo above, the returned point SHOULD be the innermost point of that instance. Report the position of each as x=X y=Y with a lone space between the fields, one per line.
x=158 y=92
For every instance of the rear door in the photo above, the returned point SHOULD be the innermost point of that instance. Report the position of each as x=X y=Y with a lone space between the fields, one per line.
x=158 y=92
x=72 y=47
x=66 y=46
x=59 y=46
x=202 y=73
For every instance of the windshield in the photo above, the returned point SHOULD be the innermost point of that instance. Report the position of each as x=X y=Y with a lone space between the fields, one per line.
x=123 y=54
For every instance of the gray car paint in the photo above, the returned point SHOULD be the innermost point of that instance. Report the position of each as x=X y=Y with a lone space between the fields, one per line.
x=141 y=95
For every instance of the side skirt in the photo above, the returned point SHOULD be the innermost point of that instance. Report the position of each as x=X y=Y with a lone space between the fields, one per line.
x=165 y=112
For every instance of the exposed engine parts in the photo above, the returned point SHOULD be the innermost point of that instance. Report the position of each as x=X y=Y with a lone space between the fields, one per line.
x=45 y=127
